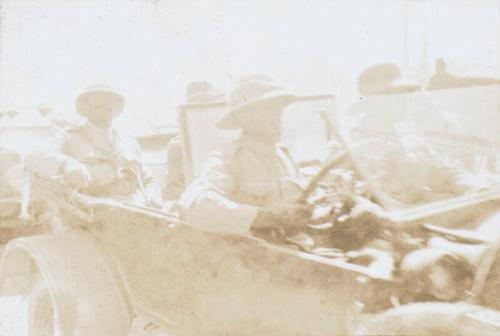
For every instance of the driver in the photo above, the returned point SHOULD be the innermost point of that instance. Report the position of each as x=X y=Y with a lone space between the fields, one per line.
x=253 y=183
x=96 y=158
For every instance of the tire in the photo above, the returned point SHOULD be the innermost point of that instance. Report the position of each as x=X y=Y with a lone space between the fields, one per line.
x=426 y=319
x=41 y=311
x=9 y=211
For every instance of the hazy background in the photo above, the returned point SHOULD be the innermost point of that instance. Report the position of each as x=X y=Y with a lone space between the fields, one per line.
x=150 y=50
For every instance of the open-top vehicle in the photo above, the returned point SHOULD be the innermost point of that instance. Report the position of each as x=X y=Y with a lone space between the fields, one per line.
x=108 y=264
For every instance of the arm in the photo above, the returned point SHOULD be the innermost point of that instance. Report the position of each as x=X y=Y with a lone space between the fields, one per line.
x=151 y=186
x=207 y=205
x=174 y=178
x=51 y=159
x=131 y=167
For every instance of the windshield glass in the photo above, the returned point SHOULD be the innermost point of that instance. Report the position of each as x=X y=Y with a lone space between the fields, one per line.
x=417 y=147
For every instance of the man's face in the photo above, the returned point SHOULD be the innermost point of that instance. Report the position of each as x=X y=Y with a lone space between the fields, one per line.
x=102 y=108
x=263 y=123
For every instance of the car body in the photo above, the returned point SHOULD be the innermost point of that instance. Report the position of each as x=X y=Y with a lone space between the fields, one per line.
x=118 y=262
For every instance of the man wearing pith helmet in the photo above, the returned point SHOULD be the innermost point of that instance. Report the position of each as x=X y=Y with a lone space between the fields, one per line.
x=96 y=158
x=252 y=184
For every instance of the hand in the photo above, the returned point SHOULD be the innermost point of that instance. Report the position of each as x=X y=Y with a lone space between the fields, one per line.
x=77 y=174
x=103 y=174
x=369 y=212
x=284 y=215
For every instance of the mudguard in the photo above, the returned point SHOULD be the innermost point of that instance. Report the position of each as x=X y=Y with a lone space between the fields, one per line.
x=86 y=289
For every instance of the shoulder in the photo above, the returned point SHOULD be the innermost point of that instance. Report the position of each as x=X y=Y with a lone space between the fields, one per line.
x=127 y=139
x=224 y=157
x=70 y=134
x=228 y=151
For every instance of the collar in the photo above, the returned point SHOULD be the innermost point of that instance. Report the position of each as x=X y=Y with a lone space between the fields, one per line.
x=105 y=132
x=258 y=146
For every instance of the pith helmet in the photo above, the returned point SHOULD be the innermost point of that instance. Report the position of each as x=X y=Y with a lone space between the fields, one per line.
x=83 y=97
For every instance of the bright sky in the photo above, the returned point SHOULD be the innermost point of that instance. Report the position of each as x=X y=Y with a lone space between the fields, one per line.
x=150 y=50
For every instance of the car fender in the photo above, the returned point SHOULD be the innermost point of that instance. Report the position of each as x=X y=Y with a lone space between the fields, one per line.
x=86 y=289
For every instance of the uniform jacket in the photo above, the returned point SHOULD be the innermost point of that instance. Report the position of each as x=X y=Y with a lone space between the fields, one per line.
x=236 y=182
x=113 y=159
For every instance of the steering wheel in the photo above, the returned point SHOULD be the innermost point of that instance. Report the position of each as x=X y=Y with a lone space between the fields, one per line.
x=342 y=157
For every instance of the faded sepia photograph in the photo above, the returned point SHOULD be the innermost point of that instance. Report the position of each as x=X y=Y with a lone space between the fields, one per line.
x=249 y=168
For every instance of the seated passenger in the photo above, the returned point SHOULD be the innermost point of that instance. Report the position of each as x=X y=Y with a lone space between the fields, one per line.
x=196 y=92
x=95 y=157
x=253 y=183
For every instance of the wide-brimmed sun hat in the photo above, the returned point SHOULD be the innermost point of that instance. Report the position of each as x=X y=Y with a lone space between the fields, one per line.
x=202 y=92
x=83 y=98
x=249 y=92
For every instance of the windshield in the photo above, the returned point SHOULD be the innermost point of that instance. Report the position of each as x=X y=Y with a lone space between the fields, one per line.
x=418 y=147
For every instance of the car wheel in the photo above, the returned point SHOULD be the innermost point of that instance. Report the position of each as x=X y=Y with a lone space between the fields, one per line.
x=426 y=319
x=42 y=319
x=9 y=210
